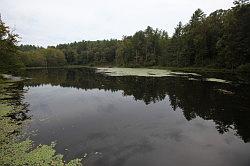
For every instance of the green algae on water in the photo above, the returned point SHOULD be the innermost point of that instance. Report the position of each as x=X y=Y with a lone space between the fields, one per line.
x=143 y=72
x=217 y=80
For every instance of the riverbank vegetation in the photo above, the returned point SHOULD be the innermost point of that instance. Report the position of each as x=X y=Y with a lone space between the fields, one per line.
x=219 y=41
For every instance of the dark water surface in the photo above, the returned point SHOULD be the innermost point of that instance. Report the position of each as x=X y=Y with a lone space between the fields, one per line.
x=139 y=121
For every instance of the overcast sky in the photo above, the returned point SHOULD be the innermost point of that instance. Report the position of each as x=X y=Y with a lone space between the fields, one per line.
x=50 y=22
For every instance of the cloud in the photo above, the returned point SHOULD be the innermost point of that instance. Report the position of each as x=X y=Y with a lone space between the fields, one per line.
x=46 y=22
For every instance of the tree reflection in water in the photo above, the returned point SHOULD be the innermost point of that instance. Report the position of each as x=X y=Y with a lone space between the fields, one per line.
x=195 y=98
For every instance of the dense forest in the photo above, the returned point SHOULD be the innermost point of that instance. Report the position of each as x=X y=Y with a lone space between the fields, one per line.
x=219 y=40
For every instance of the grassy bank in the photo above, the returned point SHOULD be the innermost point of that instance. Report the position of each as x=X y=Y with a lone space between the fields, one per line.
x=13 y=151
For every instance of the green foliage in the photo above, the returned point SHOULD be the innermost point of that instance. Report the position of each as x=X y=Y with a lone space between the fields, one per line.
x=28 y=47
x=90 y=52
x=233 y=46
x=33 y=58
x=219 y=40
x=8 y=49
x=43 y=57
x=54 y=57
x=144 y=48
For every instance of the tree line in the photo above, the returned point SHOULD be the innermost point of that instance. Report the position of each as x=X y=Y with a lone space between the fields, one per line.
x=219 y=40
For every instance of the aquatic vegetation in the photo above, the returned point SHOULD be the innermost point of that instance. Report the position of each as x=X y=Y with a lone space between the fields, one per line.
x=12 y=78
x=225 y=92
x=23 y=153
x=15 y=152
x=217 y=80
x=143 y=72
x=210 y=80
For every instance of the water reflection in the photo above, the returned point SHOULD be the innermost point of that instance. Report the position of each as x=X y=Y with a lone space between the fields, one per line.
x=138 y=120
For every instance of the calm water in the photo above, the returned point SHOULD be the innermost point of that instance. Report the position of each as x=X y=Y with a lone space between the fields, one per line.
x=139 y=121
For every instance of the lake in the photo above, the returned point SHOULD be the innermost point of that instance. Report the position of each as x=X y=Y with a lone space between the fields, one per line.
x=114 y=120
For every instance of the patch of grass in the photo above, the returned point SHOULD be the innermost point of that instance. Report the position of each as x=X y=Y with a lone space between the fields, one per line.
x=14 y=152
